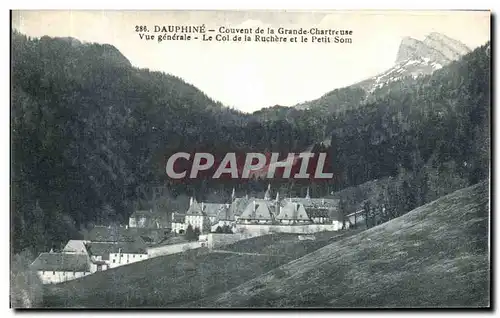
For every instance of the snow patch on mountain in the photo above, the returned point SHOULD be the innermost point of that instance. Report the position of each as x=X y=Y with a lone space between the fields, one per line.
x=417 y=58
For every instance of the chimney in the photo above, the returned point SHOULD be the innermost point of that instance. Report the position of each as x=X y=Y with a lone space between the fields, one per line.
x=191 y=201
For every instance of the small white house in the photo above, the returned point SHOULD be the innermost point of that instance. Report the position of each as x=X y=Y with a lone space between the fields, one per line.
x=53 y=268
x=110 y=255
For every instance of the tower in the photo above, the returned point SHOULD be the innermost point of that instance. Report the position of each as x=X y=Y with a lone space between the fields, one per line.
x=277 y=205
x=267 y=196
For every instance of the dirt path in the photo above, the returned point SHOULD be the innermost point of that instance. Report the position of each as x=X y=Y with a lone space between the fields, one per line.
x=243 y=253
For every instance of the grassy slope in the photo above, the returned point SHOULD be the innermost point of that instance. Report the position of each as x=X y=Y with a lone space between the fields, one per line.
x=172 y=280
x=436 y=255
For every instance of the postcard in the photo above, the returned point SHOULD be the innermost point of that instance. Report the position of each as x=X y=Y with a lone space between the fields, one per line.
x=250 y=159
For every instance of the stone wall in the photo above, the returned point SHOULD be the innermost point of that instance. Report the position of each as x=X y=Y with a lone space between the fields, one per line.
x=263 y=229
x=54 y=277
x=218 y=240
x=172 y=249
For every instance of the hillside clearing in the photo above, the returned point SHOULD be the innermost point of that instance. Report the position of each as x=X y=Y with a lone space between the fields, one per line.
x=172 y=280
x=434 y=256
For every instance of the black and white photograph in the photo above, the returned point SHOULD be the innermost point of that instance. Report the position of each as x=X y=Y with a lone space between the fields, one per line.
x=217 y=159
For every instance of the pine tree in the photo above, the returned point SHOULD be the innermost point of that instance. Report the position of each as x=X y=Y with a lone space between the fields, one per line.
x=197 y=232
x=190 y=234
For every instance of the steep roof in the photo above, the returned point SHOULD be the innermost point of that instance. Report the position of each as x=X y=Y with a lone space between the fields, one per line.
x=226 y=214
x=314 y=202
x=213 y=209
x=238 y=205
x=258 y=210
x=293 y=211
x=75 y=246
x=194 y=209
x=62 y=262
x=104 y=249
x=314 y=212
x=110 y=234
x=319 y=207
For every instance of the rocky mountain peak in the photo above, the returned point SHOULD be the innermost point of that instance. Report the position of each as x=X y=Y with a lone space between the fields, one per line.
x=414 y=58
x=413 y=49
x=450 y=48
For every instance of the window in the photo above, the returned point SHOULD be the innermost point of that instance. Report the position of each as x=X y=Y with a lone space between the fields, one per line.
x=133 y=256
x=140 y=256
x=53 y=273
x=114 y=261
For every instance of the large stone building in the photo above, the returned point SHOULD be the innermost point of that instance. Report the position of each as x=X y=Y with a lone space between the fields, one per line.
x=195 y=216
x=291 y=211
x=250 y=210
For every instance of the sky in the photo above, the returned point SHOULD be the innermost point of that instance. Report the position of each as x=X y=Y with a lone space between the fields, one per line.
x=251 y=75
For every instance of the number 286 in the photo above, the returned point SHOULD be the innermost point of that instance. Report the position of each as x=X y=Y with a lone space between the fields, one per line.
x=141 y=28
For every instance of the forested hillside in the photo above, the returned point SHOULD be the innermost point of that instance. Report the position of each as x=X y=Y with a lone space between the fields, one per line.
x=88 y=129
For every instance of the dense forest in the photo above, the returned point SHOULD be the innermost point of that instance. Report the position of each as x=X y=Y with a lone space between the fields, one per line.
x=89 y=131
